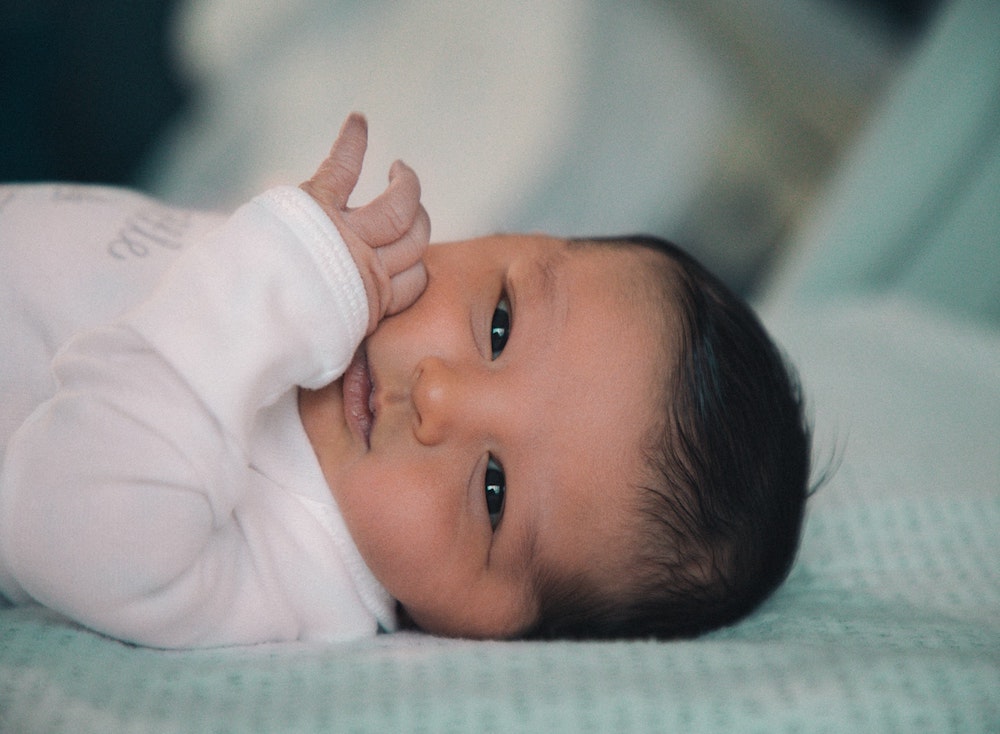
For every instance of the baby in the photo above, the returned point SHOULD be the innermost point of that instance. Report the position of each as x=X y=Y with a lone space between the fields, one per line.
x=315 y=427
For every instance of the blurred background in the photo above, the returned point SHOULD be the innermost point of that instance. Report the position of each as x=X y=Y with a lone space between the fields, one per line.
x=713 y=123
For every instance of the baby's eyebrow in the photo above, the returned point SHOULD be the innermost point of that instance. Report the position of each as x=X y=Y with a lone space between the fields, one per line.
x=527 y=547
x=549 y=273
x=543 y=279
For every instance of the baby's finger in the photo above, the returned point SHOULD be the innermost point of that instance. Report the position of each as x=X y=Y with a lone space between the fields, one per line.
x=389 y=215
x=408 y=249
x=337 y=176
x=407 y=287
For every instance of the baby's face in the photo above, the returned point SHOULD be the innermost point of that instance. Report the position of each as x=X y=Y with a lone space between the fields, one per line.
x=495 y=428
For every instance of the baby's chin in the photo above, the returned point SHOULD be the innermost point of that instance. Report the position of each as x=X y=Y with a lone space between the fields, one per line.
x=322 y=415
x=318 y=408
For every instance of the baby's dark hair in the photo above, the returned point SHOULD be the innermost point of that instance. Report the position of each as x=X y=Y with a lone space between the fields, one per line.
x=721 y=522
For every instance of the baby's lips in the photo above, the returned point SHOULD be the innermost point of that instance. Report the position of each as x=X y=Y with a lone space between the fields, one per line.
x=358 y=392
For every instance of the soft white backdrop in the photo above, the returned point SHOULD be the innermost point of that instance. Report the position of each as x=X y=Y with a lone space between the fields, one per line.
x=575 y=117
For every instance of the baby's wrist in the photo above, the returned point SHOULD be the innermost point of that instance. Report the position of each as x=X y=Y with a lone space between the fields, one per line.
x=327 y=247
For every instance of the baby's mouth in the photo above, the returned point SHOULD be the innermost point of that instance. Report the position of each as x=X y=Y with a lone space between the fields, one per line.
x=359 y=396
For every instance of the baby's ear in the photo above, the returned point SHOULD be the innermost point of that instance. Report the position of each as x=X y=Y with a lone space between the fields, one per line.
x=338 y=174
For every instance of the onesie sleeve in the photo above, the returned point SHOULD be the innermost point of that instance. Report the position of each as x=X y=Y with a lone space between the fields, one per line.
x=117 y=496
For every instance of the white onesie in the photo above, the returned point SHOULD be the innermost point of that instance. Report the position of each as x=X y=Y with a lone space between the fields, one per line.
x=163 y=491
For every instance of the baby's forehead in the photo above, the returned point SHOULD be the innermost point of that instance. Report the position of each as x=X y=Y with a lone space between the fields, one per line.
x=610 y=397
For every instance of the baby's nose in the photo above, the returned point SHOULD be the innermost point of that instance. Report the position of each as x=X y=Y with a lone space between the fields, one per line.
x=440 y=400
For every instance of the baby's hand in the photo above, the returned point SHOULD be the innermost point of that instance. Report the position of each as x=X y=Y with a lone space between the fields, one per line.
x=387 y=237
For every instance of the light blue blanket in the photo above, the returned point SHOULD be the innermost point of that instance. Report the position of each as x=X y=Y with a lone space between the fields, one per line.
x=890 y=620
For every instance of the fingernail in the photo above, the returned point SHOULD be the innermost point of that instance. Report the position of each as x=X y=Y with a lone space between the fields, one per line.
x=355 y=118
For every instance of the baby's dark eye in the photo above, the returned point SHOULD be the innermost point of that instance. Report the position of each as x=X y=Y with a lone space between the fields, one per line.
x=496 y=490
x=500 y=327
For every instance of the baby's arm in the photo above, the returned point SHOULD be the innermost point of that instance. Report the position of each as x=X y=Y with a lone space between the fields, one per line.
x=118 y=495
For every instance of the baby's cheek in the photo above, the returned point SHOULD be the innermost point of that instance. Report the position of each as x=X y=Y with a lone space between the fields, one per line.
x=410 y=519
x=386 y=525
